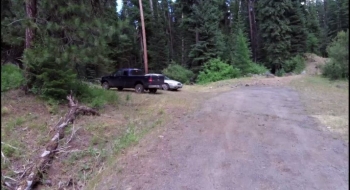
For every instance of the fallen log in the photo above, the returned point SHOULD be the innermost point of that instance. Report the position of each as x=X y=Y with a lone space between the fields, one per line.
x=42 y=164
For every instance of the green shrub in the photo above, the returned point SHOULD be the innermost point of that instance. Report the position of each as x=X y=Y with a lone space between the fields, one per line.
x=338 y=51
x=280 y=72
x=94 y=96
x=178 y=72
x=333 y=71
x=295 y=64
x=215 y=70
x=90 y=95
x=256 y=69
x=11 y=77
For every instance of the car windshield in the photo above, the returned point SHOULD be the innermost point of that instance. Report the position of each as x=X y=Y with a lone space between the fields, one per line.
x=166 y=78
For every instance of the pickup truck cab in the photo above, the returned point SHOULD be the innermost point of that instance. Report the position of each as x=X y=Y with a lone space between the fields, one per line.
x=132 y=78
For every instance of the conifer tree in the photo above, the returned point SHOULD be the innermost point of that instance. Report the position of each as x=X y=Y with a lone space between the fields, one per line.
x=242 y=54
x=313 y=29
x=275 y=31
x=209 y=40
x=298 y=32
x=71 y=41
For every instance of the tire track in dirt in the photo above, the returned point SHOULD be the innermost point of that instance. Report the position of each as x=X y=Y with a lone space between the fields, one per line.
x=249 y=138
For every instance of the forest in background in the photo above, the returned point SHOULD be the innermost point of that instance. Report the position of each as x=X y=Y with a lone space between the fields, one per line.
x=56 y=42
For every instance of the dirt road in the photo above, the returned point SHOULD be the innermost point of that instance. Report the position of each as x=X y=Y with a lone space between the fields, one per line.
x=249 y=138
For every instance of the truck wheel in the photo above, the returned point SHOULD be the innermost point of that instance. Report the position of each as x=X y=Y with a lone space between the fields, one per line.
x=105 y=85
x=120 y=88
x=165 y=86
x=139 y=88
x=153 y=90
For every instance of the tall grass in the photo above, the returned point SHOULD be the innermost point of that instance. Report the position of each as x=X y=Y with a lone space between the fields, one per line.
x=95 y=96
x=11 y=77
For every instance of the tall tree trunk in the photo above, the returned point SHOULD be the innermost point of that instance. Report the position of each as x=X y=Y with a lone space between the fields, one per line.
x=255 y=44
x=325 y=13
x=151 y=6
x=182 y=44
x=31 y=10
x=170 y=33
x=252 y=39
x=31 y=14
x=125 y=11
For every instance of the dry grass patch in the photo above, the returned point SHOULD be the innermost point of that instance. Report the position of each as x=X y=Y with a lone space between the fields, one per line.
x=24 y=126
x=327 y=101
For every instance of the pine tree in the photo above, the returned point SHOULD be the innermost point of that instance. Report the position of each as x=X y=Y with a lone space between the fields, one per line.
x=12 y=31
x=275 y=31
x=70 y=40
x=313 y=29
x=235 y=23
x=344 y=7
x=49 y=76
x=324 y=38
x=298 y=29
x=185 y=24
x=157 y=37
x=209 y=40
x=334 y=17
x=241 y=53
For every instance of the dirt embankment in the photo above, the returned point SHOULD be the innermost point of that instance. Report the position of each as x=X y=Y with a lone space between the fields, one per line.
x=314 y=63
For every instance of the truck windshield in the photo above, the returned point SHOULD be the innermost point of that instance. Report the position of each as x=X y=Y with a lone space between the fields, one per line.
x=136 y=72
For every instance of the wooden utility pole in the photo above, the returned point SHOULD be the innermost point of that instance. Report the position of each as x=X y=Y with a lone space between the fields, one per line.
x=143 y=38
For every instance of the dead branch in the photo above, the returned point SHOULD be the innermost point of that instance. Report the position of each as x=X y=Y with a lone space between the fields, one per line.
x=24 y=172
x=3 y=155
x=35 y=173
x=72 y=135
x=7 y=177
x=8 y=185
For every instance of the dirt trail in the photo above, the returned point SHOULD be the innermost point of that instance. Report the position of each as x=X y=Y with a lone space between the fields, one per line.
x=249 y=138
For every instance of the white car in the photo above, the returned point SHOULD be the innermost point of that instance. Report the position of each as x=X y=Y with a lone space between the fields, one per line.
x=169 y=84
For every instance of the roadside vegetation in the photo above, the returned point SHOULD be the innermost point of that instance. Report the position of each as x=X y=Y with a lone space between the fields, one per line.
x=11 y=77
x=94 y=141
x=338 y=65
x=327 y=101
x=179 y=73
x=62 y=47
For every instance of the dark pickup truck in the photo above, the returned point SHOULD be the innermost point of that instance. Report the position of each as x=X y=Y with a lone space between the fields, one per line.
x=132 y=78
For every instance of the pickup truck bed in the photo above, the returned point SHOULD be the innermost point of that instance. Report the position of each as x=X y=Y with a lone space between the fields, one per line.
x=132 y=78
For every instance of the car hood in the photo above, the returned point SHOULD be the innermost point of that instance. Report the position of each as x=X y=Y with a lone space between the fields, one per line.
x=171 y=81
